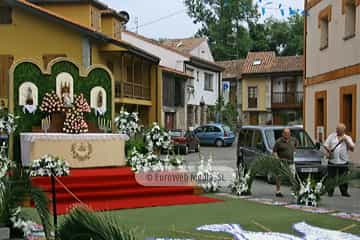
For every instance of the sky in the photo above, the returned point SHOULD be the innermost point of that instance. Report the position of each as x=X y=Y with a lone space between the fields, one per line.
x=168 y=19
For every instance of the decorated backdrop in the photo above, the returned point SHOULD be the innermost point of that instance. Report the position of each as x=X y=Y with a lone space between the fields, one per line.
x=31 y=85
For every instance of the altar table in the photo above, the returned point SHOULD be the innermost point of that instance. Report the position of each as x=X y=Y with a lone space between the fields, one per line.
x=79 y=150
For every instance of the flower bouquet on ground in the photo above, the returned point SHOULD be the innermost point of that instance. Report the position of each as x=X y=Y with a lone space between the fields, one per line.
x=206 y=177
x=149 y=161
x=49 y=165
x=157 y=138
x=242 y=182
x=127 y=123
x=7 y=123
x=310 y=191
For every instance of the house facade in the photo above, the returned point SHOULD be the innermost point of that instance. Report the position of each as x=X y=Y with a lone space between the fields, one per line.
x=203 y=89
x=174 y=77
x=267 y=89
x=86 y=33
x=332 y=84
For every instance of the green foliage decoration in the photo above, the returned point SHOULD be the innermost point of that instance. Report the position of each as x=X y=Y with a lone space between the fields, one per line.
x=29 y=72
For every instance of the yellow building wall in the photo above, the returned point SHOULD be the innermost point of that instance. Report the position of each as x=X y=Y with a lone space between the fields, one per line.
x=31 y=36
x=77 y=12
x=260 y=83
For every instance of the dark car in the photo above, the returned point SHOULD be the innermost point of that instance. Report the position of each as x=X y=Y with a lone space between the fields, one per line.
x=184 y=141
x=215 y=134
x=255 y=140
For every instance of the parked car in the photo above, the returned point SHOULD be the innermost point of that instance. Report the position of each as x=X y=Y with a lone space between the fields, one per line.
x=184 y=141
x=261 y=139
x=215 y=134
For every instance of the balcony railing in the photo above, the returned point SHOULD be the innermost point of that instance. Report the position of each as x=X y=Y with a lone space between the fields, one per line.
x=284 y=99
x=132 y=90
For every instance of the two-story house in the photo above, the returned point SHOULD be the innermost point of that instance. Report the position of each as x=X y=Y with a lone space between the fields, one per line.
x=332 y=72
x=86 y=33
x=267 y=89
x=203 y=90
x=174 y=77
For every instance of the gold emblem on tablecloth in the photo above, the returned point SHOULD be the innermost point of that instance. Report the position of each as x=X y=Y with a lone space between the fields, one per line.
x=81 y=151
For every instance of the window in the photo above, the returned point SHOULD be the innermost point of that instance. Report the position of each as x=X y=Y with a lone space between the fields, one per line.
x=252 y=97
x=320 y=114
x=191 y=72
x=324 y=20
x=256 y=62
x=212 y=129
x=258 y=141
x=349 y=9
x=5 y=15
x=209 y=82
x=245 y=137
x=95 y=19
x=348 y=109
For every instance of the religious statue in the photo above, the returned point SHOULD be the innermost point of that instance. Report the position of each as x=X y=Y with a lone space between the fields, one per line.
x=65 y=95
x=100 y=100
x=29 y=99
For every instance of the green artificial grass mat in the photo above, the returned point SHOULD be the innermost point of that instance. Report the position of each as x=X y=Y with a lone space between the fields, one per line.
x=181 y=221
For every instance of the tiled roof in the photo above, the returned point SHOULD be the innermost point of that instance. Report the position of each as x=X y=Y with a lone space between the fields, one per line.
x=185 y=45
x=233 y=68
x=259 y=62
x=155 y=42
x=262 y=62
x=289 y=64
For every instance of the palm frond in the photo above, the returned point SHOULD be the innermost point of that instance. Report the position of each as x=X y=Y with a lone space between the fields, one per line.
x=83 y=224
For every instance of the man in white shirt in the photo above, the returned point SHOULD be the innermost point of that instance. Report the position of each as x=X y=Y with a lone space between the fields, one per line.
x=338 y=145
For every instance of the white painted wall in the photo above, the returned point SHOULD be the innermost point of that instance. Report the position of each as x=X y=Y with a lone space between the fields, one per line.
x=333 y=108
x=168 y=58
x=203 y=51
x=340 y=53
x=210 y=97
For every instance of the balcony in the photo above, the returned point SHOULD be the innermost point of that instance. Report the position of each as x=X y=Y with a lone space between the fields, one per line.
x=132 y=90
x=287 y=99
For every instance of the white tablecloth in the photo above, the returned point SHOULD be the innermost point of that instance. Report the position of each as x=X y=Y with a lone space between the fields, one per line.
x=79 y=150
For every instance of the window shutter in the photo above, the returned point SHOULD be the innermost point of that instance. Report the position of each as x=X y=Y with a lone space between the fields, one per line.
x=47 y=58
x=5 y=64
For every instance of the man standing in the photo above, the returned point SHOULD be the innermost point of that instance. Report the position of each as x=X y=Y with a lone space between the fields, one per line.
x=338 y=145
x=284 y=149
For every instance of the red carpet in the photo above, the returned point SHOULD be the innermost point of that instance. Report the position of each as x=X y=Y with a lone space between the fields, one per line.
x=115 y=188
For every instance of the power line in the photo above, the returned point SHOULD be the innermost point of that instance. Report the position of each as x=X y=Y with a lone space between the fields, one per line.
x=159 y=19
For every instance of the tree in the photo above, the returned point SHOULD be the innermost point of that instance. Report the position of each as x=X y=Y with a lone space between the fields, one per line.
x=286 y=38
x=225 y=24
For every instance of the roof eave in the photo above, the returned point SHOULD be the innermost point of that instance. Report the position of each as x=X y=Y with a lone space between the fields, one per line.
x=198 y=62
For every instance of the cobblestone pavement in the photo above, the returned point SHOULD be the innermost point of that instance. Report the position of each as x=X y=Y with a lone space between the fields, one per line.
x=226 y=156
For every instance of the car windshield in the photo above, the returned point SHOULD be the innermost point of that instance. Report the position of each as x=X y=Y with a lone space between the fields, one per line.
x=303 y=138
x=176 y=133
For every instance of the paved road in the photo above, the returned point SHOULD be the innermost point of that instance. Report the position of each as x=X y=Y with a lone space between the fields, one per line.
x=226 y=156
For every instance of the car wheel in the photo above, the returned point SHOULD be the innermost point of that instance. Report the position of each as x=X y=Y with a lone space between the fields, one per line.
x=219 y=143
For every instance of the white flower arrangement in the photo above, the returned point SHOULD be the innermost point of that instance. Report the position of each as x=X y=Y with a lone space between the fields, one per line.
x=127 y=123
x=241 y=185
x=49 y=165
x=157 y=138
x=310 y=192
x=150 y=162
x=7 y=123
x=27 y=227
x=5 y=162
x=207 y=177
